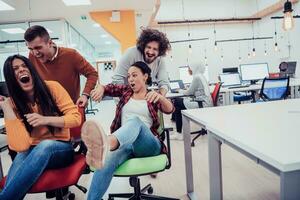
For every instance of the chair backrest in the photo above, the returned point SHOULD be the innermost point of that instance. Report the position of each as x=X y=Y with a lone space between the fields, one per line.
x=76 y=131
x=274 y=89
x=215 y=94
x=274 y=75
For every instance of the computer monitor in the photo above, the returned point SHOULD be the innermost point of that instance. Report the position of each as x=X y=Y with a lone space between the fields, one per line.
x=230 y=79
x=176 y=84
x=3 y=89
x=291 y=69
x=254 y=72
x=184 y=75
x=230 y=70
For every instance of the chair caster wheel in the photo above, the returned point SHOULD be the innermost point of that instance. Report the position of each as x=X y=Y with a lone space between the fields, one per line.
x=150 y=190
x=71 y=196
x=193 y=144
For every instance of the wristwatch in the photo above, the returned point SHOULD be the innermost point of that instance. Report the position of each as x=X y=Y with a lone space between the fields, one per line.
x=87 y=96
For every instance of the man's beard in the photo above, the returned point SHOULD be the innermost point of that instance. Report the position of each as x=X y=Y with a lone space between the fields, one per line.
x=149 y=60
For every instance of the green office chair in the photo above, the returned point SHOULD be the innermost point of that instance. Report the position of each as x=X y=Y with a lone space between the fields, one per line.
x=135 y=167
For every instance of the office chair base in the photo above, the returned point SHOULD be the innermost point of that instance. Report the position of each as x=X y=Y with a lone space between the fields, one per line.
x=199 y=133
x=138 y=192
x=60 y=196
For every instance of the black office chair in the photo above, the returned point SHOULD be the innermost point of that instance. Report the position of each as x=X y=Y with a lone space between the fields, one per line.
x=274 y=89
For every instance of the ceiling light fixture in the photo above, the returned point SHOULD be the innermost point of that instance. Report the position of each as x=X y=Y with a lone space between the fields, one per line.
x=265 y=49
x=205 y=57
x=276 y=45
x=288 y=21
x=13 y=30
x=222 y=57
x=190 y=49
x=4 y=6
x=76 y=2
x=253 y=49
x=216 y=46
x=253 y=52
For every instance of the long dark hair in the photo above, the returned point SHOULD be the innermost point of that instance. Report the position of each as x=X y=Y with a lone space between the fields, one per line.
x=42 y=95
x=145 y=70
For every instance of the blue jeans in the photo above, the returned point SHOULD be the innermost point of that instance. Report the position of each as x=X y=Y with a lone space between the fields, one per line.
x=136 y=140
x=28 y=166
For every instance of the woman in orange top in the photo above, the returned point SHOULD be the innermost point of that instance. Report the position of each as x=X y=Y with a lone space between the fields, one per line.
x=37 y=118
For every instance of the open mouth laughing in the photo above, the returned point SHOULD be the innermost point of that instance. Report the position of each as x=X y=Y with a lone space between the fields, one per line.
x=24 y=78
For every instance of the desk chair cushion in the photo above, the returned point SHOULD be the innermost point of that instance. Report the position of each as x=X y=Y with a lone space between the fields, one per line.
x=142 y=166
x=58 y=178
x=242 y=97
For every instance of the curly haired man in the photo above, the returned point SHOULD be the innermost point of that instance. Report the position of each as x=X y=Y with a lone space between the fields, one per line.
x=152 y=45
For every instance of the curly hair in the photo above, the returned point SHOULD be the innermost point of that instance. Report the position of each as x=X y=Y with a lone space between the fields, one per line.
x=148 y=35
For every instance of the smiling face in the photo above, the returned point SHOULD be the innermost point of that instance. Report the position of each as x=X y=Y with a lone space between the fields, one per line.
x=23 y=75
x=136 y=79
x=41 y=48
x=151 y=51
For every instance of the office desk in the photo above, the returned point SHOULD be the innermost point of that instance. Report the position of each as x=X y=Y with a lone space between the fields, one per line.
x=228 y=94
x=266 y=132
x=171 y=95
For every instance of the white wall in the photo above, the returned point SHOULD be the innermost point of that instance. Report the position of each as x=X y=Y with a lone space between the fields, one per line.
x=262 y=28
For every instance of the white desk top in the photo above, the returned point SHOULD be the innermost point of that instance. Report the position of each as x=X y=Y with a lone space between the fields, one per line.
x=171 y=95
x=293 y=82
x=269 y=130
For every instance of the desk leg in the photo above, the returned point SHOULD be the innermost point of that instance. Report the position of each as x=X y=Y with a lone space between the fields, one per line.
x=231 y=98
x=226 y=98
x=188 y=158
x=292 y=90
x=215 y=167
x=289 y=185
x=1 y=170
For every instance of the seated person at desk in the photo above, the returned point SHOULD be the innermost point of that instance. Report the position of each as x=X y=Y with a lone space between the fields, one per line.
x=37 y=117
x=134 y=129
x=199 y=89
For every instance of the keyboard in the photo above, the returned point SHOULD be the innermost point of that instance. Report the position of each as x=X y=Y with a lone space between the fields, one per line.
x=238 y=86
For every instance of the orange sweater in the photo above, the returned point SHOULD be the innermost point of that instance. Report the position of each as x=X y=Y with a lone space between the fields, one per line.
x=18 y=137
x=66 y=69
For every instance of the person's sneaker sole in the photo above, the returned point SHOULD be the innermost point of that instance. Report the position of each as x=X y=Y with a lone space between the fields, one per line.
x=95 y=140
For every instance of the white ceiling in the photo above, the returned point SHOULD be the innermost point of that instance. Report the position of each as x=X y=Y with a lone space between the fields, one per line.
x=206 y=9
x=27 y=10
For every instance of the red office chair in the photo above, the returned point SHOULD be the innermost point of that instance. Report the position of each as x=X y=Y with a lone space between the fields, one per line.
x=57 y=179
x=215 y=98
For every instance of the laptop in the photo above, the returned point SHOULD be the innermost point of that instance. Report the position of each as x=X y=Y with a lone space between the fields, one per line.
x=175 y=85
x=232 y=80
x=290 y=70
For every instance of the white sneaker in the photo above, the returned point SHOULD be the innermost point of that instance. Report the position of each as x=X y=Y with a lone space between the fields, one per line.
x=96 y=142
